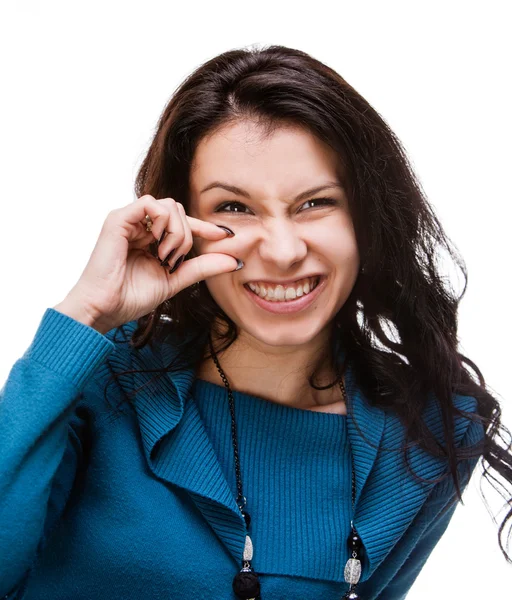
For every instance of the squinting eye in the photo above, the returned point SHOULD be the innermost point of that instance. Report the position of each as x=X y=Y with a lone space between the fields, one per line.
x=328 y=201
x=222 y=207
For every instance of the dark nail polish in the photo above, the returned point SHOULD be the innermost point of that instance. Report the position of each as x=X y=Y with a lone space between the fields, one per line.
x=240 y=264
x=153 y=249
x=227 y=230
x=177 y=264
x=165 y=261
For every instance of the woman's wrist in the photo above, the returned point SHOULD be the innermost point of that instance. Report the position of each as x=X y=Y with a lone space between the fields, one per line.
x=79 y=313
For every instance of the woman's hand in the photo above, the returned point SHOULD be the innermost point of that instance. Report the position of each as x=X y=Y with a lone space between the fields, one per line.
x=122 y=281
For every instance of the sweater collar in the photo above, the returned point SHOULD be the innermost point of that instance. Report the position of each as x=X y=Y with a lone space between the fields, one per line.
x=178 y=451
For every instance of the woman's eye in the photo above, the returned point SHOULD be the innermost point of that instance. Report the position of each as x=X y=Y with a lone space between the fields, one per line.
x=222 y=207
x=328 y=201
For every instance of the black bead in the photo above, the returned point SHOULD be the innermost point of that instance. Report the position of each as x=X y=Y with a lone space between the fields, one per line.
x=355 y=542
x=246 y=585
x=247 y=518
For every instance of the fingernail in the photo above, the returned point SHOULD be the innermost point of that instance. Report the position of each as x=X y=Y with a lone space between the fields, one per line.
x=177 y=264
x=240 y=264
x=165 y=261
x=153 y=249
x=227 y=230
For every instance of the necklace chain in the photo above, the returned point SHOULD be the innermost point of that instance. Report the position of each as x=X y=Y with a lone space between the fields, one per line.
x=246 y=582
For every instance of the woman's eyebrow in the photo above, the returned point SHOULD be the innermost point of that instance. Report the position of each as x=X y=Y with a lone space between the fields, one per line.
x=240 y=192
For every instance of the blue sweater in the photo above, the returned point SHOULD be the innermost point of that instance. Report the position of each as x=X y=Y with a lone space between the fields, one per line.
x=141 y=505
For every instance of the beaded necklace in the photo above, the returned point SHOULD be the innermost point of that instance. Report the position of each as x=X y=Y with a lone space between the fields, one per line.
x=246 y=584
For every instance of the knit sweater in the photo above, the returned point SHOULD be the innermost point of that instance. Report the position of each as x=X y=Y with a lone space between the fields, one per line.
x=141 y=503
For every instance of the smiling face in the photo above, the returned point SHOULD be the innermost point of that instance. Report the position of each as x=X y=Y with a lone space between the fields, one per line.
x=281 y=234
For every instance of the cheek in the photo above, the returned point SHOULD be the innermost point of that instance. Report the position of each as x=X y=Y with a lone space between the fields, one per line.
x=202 y=246
x=196 y=248
x=221 y=290
x=337 y=243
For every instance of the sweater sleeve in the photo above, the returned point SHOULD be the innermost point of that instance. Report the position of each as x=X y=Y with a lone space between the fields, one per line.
x=432 y=522
x=40 y=436
x=400 y=585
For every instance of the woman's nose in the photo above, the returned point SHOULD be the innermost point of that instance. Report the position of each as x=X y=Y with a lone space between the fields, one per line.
x=282 y=243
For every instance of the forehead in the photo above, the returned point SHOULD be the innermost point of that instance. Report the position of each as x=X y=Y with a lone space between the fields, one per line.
x=245 y=154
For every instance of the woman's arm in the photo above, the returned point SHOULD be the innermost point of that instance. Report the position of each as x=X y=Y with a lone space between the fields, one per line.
x=40 y=436
x=400 y=585
x=410 y=554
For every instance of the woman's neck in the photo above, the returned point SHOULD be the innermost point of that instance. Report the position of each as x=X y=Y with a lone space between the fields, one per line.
x=280 y=378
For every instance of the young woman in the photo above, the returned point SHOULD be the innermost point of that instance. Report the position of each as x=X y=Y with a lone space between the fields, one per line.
x=254 y=388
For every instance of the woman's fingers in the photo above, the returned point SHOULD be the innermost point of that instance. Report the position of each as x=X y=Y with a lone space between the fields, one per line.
x=185 y=247
x=205 y=229
x=202 y=267
x=166 y=216
x=175 y=230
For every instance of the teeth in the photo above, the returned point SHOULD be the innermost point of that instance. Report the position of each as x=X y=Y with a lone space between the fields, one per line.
x=280 y=294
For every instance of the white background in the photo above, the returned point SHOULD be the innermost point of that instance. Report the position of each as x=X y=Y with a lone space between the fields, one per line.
x=84 y=84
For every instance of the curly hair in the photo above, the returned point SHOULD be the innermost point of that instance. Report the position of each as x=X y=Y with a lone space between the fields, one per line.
x=399 y=324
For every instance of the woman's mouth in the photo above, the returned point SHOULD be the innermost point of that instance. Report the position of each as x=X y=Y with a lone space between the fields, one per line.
x=286 y=299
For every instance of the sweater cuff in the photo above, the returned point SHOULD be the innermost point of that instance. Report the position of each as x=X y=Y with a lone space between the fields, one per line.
x=68 y=347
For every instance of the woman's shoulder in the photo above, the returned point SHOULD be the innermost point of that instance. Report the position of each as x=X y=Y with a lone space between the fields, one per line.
x=467 y=425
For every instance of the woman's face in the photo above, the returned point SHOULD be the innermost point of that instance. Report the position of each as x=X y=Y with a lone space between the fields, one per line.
x=279 y=236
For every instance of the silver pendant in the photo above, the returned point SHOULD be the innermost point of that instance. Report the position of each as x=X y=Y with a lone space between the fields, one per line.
x=352 y=571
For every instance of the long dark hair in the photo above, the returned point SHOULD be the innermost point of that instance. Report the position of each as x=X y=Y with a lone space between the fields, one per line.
x=401 y=301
